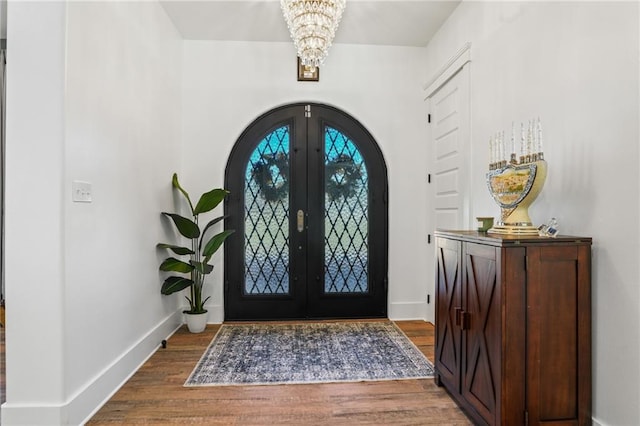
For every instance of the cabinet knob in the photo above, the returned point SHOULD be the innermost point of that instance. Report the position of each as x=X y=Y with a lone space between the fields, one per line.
x=457 y=313
x=465 y=320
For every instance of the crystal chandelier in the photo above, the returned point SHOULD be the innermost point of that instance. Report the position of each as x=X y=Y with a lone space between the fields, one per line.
x=312 y=24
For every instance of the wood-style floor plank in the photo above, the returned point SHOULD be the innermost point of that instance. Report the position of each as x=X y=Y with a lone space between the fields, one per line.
x=155 y=394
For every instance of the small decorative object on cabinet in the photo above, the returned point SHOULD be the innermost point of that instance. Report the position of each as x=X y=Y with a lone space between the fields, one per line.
x=513 y=327
x=514 y=188
x=515 y=183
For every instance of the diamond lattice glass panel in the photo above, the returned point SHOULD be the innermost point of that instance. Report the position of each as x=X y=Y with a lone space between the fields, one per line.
x=266 y=220
x=346 y=238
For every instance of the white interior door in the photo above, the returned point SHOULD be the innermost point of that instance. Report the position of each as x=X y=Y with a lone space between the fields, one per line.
x=449 y=160
x=450 y=148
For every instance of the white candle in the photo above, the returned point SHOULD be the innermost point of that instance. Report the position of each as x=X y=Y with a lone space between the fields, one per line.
x=539 y=135
x=504 y=147
x=530 y=138
x=491 y=150
x=522 y=146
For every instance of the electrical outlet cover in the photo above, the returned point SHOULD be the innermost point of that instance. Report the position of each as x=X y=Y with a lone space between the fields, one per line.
x=81 y=192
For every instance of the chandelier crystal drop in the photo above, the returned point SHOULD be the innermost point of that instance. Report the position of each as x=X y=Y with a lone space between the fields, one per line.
x=312 y=25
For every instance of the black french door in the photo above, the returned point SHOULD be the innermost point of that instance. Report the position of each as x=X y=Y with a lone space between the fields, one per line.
x=308 y=202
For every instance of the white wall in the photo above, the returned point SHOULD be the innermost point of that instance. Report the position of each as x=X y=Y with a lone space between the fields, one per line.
x=575 y=65
x=229 y=84
x=34 y=265
x=93 y=95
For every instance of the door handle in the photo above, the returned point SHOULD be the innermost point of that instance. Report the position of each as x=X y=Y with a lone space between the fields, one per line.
x=465 y=320
x=300 y=221
x=462 y=318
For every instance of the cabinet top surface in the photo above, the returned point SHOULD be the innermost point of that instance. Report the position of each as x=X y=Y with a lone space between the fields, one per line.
x=506 y=239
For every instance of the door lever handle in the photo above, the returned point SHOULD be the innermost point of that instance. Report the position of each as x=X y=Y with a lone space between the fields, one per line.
x=300 y=221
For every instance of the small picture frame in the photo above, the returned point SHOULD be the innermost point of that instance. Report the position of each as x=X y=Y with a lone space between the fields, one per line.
x=307 y=73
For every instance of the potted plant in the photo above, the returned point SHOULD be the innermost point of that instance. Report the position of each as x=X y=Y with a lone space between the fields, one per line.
x=199 y=252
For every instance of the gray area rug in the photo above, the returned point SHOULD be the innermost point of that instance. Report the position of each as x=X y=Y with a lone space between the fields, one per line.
x=262 y=354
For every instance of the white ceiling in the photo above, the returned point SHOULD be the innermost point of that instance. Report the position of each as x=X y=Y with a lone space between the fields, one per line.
x=381 y=22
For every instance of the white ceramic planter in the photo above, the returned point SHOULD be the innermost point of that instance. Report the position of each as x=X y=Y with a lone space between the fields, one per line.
x=196 y=323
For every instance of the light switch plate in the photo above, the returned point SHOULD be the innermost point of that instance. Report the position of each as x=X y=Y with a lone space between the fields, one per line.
x=81 y=191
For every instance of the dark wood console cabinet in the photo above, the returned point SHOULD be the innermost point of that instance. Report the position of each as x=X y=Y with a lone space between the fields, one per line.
x=513 y=327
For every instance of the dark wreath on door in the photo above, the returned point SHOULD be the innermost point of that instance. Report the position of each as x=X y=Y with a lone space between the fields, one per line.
x=308 y=202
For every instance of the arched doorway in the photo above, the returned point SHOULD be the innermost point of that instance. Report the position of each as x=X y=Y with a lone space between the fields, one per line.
x=308 y=202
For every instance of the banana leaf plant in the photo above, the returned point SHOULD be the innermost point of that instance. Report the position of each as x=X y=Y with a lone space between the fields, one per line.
x=199 y=250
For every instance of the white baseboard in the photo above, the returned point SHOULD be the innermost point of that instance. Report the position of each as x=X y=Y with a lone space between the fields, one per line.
x=407 y=310
x=88 y=400
x=596 y=422
x=397 y=311
x=98 y=392
x=216 y=314
x=28 y=415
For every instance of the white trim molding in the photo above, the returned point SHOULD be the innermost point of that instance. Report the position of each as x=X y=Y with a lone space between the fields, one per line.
x=88 y=400
x=216 y=314
x=407 y=310
x=597 y=422
x=457 y=61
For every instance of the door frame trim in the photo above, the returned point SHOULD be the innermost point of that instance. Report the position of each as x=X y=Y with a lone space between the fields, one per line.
x=456 y=64
x=378 y=196
x=448 y=70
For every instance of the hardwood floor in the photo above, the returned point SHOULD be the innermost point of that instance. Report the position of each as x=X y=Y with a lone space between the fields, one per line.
x=155 y=395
